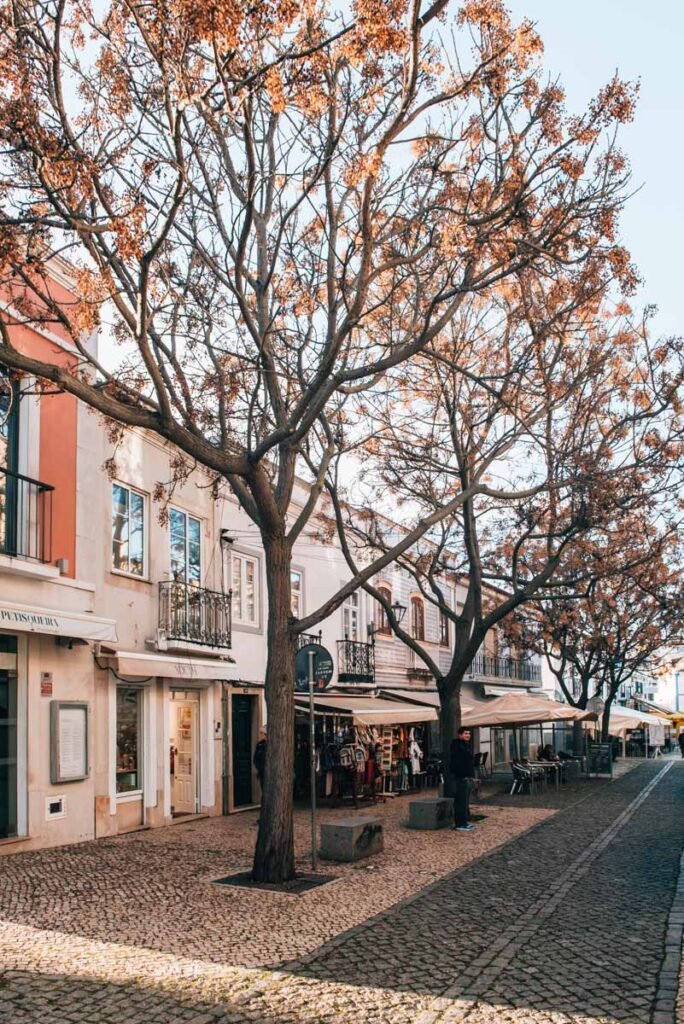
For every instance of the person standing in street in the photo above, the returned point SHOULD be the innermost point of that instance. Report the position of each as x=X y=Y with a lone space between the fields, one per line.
x=260 y=758
x=681 y=741
x=462 y=771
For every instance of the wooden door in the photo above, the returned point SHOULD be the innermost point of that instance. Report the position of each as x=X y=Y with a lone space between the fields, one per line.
x=185 y=776
x=242 y=750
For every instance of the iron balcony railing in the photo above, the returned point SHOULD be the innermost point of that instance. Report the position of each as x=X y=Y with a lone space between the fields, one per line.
x=25 y=517
x=519 y=669
x=308 y=638
x=355 y=662
x=191 y=614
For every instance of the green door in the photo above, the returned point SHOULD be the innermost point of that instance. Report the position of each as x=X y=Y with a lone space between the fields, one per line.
x=8 y=736
x=242 y=750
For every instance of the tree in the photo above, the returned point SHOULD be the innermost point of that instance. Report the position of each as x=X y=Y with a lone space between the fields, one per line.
x=271 y=208
x=630 y=609
x=559 y=430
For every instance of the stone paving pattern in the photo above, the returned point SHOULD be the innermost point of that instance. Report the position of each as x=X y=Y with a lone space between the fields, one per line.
x=566 y=922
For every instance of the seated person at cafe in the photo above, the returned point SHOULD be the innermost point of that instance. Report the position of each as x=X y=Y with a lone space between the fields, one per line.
x=546 y=753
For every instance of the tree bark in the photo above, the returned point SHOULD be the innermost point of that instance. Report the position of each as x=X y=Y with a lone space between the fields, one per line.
x=274 y=854
x=449 y=723
x=605 y=721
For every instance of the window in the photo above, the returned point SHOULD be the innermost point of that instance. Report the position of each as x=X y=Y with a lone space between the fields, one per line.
x=350 y=617
x=128 y=740
x=443 y=629
x=381 y=621
x=296 y=593
x=417 y=618
x=128 y=531
x=185 y=540
x=245 y=582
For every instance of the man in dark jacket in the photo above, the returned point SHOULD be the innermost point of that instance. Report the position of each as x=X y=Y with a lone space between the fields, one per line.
x=462 y=771
x=260 y=758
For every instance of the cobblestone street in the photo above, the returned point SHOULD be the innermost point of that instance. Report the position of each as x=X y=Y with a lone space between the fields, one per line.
x=538 y=916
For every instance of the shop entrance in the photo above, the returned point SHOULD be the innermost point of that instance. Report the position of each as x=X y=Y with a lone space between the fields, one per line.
x=243 y=720
x=184 y=753
x=8 y=736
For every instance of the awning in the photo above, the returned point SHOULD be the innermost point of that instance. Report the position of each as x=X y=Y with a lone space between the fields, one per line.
x=622 y=719
x=520 y=709
x=428 y=698
x=28 y=618
x=169 y=666
x=510 y=709
x=368 y=710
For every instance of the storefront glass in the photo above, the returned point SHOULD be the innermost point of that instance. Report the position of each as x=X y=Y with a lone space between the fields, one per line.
x=8 y=736
x=128 y=740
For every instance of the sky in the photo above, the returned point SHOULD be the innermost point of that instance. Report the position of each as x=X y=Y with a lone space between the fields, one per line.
x=586 y=41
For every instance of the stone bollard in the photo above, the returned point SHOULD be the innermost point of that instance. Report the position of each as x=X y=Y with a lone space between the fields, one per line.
x=349 y=839
x=431 y=814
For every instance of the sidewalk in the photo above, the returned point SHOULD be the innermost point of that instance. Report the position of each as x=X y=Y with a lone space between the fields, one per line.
x=563 y=923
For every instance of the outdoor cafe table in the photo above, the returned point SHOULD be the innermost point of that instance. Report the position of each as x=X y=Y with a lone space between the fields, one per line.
x=549 y=766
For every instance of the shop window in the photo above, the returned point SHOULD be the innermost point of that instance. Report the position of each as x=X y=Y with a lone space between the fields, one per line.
x=444 y=629
x=245 y=584
x=350 y=617
x=185 y=540
x=417 y=618
x=296 y=593
x=381 y=621
x=128 y=531
x=128 y=740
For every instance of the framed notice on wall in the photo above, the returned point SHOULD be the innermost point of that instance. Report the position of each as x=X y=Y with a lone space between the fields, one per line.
x=68 y=741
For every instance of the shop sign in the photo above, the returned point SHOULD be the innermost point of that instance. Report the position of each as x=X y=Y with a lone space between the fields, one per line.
x=323 y=667
x=46 y=684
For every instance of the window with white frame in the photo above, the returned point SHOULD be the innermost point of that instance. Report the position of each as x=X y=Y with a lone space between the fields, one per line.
x=128 y=531
x=185 y=544
x=296 y=598
x=350 y=617
x=444 y=628
x=245 y=586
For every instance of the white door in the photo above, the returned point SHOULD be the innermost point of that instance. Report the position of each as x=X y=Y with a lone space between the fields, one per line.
x=184 y=747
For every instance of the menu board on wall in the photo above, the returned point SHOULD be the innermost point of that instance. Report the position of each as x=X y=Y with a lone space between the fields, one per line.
x=68 y=741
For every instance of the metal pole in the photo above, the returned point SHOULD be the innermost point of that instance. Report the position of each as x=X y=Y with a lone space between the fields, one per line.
x=312 y=760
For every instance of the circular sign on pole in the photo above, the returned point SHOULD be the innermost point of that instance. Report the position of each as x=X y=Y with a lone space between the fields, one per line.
x=323 y=667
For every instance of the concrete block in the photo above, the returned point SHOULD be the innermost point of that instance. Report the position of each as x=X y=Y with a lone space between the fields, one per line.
x=350 y=839
x=431 y=814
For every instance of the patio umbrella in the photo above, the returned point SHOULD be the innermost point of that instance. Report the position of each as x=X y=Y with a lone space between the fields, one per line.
x=515 y=709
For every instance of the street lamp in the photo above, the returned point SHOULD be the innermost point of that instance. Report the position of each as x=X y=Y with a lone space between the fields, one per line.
x=399 y=611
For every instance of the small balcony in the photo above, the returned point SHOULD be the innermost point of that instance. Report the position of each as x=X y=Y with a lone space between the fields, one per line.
x=193 y=617
x=519 y=671
x=355 y=662
x=25 y=517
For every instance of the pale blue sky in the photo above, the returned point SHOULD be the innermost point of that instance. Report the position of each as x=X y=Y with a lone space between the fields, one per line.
x=586 y=41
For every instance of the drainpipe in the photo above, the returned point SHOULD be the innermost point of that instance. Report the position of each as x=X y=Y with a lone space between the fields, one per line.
x=224 y=750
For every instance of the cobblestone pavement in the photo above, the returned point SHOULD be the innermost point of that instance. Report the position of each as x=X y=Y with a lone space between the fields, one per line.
x=565 y=923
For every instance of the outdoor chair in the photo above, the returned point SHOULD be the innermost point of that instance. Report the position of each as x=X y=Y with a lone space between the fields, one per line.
x=523 y=776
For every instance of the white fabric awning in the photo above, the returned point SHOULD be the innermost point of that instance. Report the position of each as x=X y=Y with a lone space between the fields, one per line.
x=622 y=719
x=169 y=666
x=368 y=710
x=56 y=622
x=428 y=697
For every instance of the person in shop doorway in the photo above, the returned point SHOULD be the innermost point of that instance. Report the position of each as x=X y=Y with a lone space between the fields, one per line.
x=260 y=758
x=681 y=741
x=462 y=771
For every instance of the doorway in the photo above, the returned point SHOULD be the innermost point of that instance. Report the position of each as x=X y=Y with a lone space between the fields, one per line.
x=243 y=722
x=8 y=737
x=184 y=753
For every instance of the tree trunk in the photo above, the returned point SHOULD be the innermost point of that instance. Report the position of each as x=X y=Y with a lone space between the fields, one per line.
x=274 y=854
x=605 y=722
x=578 y=737
x=449 y=723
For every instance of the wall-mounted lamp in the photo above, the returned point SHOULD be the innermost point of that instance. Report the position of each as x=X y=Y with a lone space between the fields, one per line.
x=399 y=611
